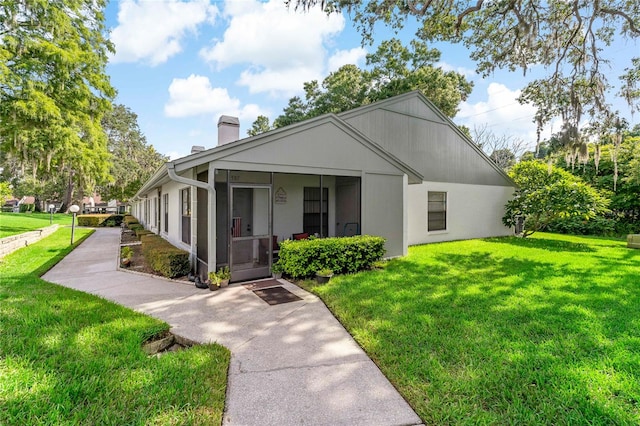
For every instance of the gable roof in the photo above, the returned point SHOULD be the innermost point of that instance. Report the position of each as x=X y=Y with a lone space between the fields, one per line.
x=416 y=107
x=264 y=149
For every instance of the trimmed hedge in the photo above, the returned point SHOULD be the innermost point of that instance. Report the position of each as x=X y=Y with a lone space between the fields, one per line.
x=142 y=232
x=95 y=220
x=135 y=227
x=25 y=208
x=129 y=219
x=303 y=258
x=165 y=258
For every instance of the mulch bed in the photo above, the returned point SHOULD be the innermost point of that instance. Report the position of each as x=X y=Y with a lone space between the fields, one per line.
x=128 y=237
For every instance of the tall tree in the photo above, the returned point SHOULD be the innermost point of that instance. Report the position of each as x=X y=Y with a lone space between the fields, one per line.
x=504 y=150
x=54 y=88
x=133 y=161
x=261 y=125
x=570 y=39
x=393 y=69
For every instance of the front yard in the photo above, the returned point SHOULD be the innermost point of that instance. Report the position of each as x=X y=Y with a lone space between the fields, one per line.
x=543 y=330
x=17 y=223
x=67 y=357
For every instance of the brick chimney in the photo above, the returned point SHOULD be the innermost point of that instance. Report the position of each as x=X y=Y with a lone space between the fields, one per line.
x=228 y=129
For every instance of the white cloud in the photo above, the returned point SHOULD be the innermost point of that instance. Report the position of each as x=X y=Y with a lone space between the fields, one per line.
x=502 y=114
x=174 y=155
x=343 y=57
x=153 y=31
x=469 y=73
x=282 y=48
x=195 y=95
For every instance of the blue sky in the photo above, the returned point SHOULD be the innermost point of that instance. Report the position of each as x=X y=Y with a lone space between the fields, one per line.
x=180 y=65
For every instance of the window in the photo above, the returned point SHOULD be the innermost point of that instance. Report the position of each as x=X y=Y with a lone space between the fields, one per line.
x=156 y=213
x=146 y=212
x=311 y=220
x=186 y=215
x=165 y=199
x=437 y=211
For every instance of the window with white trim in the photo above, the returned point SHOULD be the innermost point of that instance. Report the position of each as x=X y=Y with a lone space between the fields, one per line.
x=437 y=211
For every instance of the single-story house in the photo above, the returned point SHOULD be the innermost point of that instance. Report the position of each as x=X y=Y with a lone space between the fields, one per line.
x=398 y=168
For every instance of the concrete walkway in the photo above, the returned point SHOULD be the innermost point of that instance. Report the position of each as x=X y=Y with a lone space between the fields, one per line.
x=291 y=364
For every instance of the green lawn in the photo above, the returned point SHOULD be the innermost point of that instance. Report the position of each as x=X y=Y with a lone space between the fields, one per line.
x=17 y=223
x=543 y=330
x=67 y=357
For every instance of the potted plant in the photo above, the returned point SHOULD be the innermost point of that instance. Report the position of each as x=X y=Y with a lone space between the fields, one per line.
x=276 y=270
x=212 y=282
x=125 y=256
x=221 y=277
x=323 y=275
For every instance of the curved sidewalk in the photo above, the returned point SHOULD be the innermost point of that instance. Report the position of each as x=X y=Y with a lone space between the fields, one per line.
x=291 y=363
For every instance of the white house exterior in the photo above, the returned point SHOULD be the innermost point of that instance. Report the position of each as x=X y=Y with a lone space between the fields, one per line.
x=397 y=168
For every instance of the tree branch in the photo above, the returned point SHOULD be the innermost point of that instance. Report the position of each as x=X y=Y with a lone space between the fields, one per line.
x=632 y=25
x=466 y=12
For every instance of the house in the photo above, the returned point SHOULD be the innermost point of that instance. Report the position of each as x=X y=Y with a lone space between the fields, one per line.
x=397 y=168
x=95 y=204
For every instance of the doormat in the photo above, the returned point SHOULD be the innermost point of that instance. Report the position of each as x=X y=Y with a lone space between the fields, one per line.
x=276 y=295
x=256 y=285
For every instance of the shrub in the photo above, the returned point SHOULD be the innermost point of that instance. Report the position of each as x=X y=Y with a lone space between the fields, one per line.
x=608 y=226
x=129 y=219
x=95 y=220
x=136 y=227
x=165 y=258
x=303 y=258
x=141 y=233
x=24 y=208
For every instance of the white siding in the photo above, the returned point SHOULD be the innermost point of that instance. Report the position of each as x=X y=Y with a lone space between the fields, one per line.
x=383 y=203
x=473 y=211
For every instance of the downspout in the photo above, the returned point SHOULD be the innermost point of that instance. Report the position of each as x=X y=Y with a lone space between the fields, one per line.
x=198 y=184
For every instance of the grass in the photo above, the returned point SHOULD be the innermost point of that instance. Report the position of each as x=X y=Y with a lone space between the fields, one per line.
x=17 y=223
x=67 y=357
x=543 y=330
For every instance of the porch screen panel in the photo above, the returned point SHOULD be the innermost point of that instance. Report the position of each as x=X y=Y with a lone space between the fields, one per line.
x=312 y=211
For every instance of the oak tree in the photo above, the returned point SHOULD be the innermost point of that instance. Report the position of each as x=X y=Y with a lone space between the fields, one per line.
x=571 y=39
x=54 y=88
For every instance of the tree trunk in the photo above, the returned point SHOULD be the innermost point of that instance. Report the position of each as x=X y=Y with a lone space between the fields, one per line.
x=68 y=196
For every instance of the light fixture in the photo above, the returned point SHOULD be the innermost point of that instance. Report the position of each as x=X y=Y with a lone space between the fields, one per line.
x=73 y=209
x=51 y=209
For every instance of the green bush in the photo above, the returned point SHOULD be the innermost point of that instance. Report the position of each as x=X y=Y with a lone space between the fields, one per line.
x=95 y=220
x=142 y=232
x=136 y=227
x=24 y=208
x=163 y=257
x=607 y=226
x=129 y=219
x=342 y=255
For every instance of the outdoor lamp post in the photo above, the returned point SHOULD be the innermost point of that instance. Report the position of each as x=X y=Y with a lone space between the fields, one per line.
x=73 y=209
x=51 y=209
